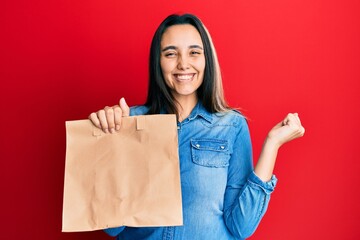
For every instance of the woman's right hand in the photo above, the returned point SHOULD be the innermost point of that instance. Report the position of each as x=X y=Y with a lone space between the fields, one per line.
x=109 y=118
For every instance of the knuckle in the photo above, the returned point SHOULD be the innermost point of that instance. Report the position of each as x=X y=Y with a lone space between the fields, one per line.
x=101 y=112
x=106 y=109
x=92 y=115
x=117 y=110
x=109 y=112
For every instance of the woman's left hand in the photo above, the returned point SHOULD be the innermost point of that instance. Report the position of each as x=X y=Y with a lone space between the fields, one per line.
x=285 y=131
x=288 y=129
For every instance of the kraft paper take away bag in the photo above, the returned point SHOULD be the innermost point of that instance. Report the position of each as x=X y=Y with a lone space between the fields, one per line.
x=129 y=178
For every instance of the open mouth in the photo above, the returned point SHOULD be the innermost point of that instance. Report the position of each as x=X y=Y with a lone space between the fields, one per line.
x=184 y=77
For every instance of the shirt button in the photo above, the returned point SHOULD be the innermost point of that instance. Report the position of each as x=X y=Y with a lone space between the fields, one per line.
x=222 y=147
x=197 y=145
x=178 y=127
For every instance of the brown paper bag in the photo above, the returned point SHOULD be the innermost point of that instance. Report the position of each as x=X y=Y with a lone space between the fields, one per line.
x=129 y=178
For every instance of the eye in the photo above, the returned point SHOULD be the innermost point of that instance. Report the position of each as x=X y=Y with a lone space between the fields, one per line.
x=170 y=54
x=195 y=52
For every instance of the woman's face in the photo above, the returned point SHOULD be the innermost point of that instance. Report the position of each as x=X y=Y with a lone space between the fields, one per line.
x=182 y=60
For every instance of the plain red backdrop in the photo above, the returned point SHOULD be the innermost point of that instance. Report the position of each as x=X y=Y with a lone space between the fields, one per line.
x=61 y=60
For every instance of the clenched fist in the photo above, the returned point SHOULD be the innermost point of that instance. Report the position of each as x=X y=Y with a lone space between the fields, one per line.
x=288 y=129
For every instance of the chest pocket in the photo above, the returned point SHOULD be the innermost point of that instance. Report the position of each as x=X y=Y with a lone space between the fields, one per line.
x=210 y=152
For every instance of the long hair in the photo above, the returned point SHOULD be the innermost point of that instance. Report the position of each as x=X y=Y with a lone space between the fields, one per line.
x=210 y=93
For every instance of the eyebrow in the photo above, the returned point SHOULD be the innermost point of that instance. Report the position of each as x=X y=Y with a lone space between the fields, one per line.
x=174 y=48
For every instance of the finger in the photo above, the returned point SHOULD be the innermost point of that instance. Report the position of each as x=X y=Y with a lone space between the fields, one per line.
x=95 y=120
x=109 y=112
x=292 y=120
x=295 y=124
x=286 y=120
x=124 y=107
x=302 y=131
x=103 y=122
x=279 y=125
x=299 y=120
x=117 y=117
x=296 y=116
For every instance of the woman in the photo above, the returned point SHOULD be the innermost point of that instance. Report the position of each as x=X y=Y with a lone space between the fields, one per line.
x=224 y=197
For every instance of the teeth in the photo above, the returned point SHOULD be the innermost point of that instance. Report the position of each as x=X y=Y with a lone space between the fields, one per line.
x=184 y=77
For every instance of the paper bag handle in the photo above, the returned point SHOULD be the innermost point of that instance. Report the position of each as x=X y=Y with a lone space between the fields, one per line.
x=140 y=123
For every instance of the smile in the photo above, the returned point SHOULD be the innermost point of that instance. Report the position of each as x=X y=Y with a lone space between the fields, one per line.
x=184 y=77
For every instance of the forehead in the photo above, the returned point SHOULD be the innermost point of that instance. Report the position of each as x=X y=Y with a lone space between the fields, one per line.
x=181 y=35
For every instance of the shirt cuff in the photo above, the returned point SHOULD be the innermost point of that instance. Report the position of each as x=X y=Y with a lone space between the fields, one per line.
x=267 y=187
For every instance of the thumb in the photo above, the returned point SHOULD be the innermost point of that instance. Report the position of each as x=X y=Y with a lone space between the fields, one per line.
x=124 y=108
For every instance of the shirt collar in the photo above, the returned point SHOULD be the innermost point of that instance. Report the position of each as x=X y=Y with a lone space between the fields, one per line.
x=199 y=110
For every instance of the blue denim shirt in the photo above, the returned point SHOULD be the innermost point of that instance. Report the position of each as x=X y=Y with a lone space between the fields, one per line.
x=222 y=197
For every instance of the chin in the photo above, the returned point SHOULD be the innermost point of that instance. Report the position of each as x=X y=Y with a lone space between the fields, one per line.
x=185 y=93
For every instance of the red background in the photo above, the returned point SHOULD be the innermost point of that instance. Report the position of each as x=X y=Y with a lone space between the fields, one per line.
x=61 y=60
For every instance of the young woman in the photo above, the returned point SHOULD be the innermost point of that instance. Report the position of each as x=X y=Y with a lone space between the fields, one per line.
x=224 y=197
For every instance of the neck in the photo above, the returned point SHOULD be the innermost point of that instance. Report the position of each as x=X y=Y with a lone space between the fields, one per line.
x=185 y=104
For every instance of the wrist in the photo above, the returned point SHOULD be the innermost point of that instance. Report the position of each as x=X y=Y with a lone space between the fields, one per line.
x=272 y=143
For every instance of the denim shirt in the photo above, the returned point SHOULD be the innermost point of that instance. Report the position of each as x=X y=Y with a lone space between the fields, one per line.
x=222 y=197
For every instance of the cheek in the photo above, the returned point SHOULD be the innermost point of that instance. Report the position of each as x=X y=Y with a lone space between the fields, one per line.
x=200 y=65
x=166 y=66
x=165 y=69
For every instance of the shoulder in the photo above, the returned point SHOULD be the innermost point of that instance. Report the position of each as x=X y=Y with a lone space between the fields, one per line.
x=231 y=117
x=138 y=110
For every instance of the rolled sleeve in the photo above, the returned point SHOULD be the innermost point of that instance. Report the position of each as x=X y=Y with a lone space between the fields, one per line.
x=246 y=213
x=267 y=187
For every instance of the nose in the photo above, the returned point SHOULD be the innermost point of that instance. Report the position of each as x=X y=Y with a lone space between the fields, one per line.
x=183 y=63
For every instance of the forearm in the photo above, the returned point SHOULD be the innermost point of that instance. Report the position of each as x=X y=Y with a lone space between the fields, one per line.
x=266 y=163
